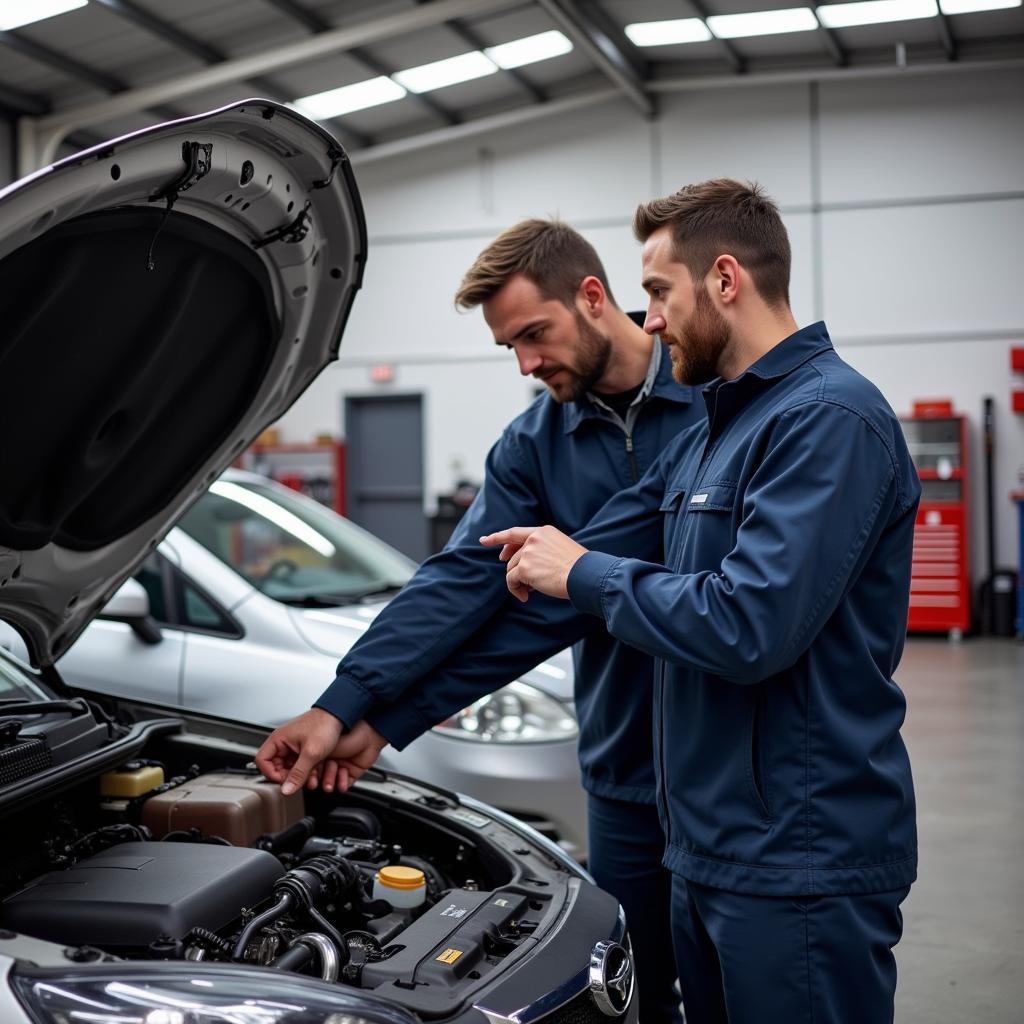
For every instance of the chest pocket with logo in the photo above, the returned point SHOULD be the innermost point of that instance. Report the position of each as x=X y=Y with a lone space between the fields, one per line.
x=708 y=526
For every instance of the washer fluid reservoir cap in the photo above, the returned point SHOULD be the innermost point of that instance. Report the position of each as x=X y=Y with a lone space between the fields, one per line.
x=401 y=886
x=399 y=877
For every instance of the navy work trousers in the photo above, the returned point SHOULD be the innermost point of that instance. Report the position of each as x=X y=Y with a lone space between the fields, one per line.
x=807 y=960
x=626 y=847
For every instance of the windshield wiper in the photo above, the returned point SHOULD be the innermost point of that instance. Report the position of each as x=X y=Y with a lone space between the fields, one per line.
x=20 y=706
x=331 y=599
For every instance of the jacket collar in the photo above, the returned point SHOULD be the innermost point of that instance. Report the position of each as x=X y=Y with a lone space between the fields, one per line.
x=659 y=384
x=791 y=353
x=725 y=397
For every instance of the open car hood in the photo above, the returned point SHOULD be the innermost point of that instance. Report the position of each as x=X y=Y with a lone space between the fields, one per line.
x=165 y=296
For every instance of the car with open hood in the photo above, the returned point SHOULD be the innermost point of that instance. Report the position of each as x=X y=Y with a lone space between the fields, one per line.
x=249 y=603
x=167 y=295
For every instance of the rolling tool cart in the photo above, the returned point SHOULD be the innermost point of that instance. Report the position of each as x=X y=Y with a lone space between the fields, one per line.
x=940 y=589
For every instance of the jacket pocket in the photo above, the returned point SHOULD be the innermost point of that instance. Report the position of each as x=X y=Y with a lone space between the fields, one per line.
x=718 y=497
x=670 y=503
x=757 y=775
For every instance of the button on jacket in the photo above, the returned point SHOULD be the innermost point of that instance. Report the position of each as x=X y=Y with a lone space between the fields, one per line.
x=778 y=616
x=553 y=464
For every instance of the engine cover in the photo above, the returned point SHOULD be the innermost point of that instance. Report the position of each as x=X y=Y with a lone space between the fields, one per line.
x=128 y=895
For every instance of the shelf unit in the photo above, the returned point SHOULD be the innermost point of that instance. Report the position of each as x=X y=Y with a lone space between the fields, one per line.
x=316 y=468
x=940 y=588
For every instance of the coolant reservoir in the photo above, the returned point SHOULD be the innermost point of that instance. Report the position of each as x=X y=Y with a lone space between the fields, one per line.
x=132 y=780
x=401 y=886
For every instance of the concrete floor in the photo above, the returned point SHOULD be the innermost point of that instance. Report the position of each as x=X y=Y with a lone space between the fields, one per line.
x=962 y=954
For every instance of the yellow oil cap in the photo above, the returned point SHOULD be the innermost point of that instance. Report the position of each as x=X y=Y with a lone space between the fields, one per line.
x=397 y=876
x=130 y=782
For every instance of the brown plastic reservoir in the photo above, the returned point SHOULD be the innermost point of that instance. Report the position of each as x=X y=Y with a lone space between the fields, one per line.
x=239 y=808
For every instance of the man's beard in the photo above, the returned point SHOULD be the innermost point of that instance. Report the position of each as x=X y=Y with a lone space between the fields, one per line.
x=593 y=351
x=705 y=335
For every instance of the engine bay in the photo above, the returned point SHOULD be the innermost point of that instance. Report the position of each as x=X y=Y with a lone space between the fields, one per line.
x=186 y=853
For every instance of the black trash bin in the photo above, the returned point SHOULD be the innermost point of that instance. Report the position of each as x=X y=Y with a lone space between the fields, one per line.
x=998 y=603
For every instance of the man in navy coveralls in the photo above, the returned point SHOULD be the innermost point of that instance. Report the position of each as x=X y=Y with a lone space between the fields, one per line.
x=612 y=406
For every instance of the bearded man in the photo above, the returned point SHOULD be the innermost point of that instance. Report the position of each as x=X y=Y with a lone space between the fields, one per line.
x=610 y=409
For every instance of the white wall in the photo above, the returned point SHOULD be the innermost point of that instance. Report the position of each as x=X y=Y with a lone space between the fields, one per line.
x=904 y=199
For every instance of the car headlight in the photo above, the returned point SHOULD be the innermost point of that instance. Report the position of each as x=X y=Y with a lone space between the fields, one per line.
x=140 y=994
x=517 y=713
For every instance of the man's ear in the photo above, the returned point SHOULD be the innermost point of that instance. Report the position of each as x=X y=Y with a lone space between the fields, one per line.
x=591 y=296
x=725 y=279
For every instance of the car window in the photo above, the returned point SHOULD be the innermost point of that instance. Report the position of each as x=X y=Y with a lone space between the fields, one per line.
x=290 y=547
x=198 y=612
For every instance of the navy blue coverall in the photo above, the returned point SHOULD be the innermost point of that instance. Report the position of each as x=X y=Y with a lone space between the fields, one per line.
x=764 y=562
x=553 y=464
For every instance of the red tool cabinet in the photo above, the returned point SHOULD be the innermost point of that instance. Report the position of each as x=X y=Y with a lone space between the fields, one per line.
x=940 y=587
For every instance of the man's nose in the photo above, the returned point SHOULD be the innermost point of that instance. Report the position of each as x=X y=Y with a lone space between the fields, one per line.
x=528 y=362
x=654 y=322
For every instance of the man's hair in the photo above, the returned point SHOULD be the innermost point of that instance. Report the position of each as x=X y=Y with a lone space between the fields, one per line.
x=722 y=216
x=548 y=253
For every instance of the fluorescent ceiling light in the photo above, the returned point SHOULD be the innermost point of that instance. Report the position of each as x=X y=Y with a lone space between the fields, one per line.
x=15 y=13
x=665 y=33
x=967 y=6
x=875 y=12
x=529 y=50
x=763 y=23
x=335 y=102
x=450 y=71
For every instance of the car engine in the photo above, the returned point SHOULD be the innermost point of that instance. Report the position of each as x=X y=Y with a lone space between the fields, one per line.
x=217 y=865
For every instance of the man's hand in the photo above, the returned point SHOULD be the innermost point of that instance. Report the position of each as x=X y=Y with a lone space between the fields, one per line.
x=354 y=753
x=293 y=751
x=539 y=558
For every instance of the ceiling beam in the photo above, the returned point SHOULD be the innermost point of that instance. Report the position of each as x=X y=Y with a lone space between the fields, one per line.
x=62 y=62
x=204 y=52
x=829 y=41
x=601 y=49
x=470 y=37
x=689 y=83
x=66 y=65
x=729 y=52
x=321 y=45
x=15 y=102
x=947 y=37
x=317 y=25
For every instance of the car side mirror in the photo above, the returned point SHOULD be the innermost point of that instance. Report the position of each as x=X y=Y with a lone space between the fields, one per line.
x=130 y=605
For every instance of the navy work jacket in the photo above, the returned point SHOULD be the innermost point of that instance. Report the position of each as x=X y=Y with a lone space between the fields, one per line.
x=776 y=606
x=764 y=562
x=553 y=464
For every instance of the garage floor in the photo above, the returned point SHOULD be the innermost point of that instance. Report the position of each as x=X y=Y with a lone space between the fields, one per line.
x=962 y=955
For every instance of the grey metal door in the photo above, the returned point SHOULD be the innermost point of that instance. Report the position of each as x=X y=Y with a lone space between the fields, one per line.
x=384 y=469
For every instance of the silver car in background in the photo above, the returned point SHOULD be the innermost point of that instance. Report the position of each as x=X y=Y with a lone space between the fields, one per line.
x=246 y=608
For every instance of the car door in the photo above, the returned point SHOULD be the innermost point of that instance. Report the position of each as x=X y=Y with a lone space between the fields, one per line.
x=109 y=657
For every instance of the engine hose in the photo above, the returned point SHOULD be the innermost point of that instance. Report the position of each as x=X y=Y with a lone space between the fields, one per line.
x=330 y=962
x=275 y=842
x=207 y=940
x=279 y=909
x=332 y=932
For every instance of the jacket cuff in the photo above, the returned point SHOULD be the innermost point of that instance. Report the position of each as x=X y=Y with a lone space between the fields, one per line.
x=399 y=723
x=586 y=581
x=346 y=699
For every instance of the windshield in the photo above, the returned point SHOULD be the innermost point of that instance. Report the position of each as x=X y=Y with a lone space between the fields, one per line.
x=292 y=548
x=16 y=686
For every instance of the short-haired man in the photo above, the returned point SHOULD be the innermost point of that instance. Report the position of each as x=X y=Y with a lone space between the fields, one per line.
x=611 y=409
x=765 y=563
